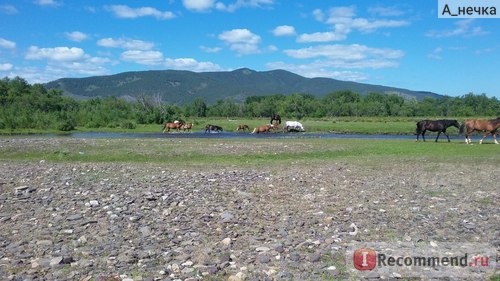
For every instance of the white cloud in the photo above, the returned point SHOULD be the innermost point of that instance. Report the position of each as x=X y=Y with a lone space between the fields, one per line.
x=198 y=5
x=55 y=54
x=60 y=62
x=284 y=30
x=7 y=44
x=191 y=64
x=242 y=41
x=343 y=21
x=436 y=54
x=463 y=28
x=321 y=37
x=318 y=15
x=343 y=18
x=207 y=5
x=8 y=9
x=349 y=56
x=386 y=11
x=76 y=36
x=243 y=4
x=143 y=57
x=210 y=49
x=124 y=43
x=123 y=11
x=319 y=69
x=5 y=66
x=46 y=3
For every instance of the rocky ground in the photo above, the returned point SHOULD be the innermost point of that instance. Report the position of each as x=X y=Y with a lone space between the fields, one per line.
x=130 y=221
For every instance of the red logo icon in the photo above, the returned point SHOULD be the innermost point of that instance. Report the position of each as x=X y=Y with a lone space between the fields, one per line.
x=365 y=259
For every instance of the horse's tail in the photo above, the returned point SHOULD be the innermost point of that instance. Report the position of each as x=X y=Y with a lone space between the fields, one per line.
x=418 y=130
x=462 y=127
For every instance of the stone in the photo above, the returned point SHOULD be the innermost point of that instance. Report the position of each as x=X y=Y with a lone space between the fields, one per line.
x=74 y=217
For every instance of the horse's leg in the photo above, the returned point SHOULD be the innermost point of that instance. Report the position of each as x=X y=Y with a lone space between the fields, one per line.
x=423 y=135
x=495 y=138
x=448 y=137
x=484 y=136
x=439 y=133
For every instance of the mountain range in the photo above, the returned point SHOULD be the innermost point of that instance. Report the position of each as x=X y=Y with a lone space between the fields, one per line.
x=181 y=87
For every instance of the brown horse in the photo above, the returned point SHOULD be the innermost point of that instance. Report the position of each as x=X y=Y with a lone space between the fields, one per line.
x=242 y=127
x=172 y=125
x=263 y=129
x=486 y=126
x=186 y=126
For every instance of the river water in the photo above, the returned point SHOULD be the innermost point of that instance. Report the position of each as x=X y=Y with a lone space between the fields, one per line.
x=239 y=135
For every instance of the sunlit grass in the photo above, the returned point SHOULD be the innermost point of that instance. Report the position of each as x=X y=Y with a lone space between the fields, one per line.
x=246 y=151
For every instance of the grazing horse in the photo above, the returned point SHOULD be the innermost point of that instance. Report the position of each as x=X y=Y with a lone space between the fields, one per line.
x=263 y=129
x=215 y=128
x=439 y=126
x=242 y=127
x=275 y=117
x=486 y=126
x=186 y=126
x=293 y=126
x=172 y=125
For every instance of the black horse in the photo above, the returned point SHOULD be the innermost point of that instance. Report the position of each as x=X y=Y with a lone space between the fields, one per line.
x=275 y=117
x=215 y=128
x=439 y=126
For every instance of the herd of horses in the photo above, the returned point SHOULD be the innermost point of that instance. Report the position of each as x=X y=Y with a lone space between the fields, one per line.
x=487 y=127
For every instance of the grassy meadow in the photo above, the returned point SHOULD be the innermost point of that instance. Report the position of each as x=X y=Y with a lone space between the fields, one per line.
x=248 y=151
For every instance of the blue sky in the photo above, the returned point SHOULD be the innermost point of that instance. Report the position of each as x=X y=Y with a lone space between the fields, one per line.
x=392 y=43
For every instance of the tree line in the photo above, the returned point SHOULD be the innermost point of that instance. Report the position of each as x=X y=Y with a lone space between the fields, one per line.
x=32 y=106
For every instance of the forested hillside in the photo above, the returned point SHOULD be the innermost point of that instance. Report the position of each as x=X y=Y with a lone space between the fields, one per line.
x=25 y=106
x=181 y=87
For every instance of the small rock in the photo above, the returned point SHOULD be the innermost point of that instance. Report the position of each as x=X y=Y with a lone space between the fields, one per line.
x=295 y=256
x=264 y=258
x=355 y=230
x=314 y=257
x=74 y=217
x=226 y=241
x=55 y=261
x=226 y=216
x=262 y=249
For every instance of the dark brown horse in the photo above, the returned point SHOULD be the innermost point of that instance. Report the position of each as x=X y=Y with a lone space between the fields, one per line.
x=209 y=128
x=275 y=117
x=486 y=126
x=243 y=128
x=263 y=129
x=172 y=125
x=439 y=126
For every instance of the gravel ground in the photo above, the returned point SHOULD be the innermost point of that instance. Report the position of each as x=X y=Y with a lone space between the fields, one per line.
x=131 y=221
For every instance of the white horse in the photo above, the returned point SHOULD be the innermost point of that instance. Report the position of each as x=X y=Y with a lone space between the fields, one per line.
x=294 y=126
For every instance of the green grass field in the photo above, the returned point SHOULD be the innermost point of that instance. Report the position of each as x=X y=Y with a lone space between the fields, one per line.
x=243 y=151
